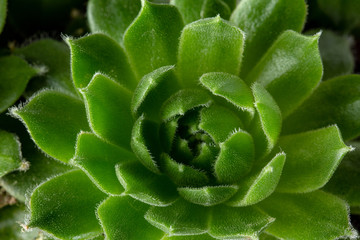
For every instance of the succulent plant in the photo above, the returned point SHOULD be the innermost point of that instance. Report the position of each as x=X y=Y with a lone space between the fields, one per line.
x=194 y=120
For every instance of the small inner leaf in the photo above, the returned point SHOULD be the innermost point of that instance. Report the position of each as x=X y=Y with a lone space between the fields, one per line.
x=10 y=153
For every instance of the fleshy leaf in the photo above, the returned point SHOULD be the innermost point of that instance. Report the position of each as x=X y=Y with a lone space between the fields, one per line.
x=3 y=10
x=65 y=206
x=208 y=196
x=10 y=153
x=112 y=17
x=15 y=74
x=309 y=170
x=203 y=45
x=236 y=157
x=123 y=218
x=180 y=218
x=167 y=133
x=259 y=185
x=98 y=159
x=54 y=119
x=144 y=185
x=256 y=18
x=334 y=102
x=315 y=215
x=99 y=53
x=237 y=222
x=290 y=70
x=108 y=109
x=151 y=41
x=153 y=89
x=189 y=237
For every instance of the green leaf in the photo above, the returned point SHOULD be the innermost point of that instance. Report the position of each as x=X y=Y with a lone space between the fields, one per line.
x=260 y=184
x=106 y=100
x=53 y=57
x=150 y=41
x=112 y=17
x=236 y=157
x=15 y=74
x=345 y=182
x=10 y=153
x=290 y=70
x=183 y=101
x=237 y=223
x=208 y=196
x=123 y=218
x=309 y=170
x=189 y=237
x=54 y=119
x=257 y=17
x=266 y=126
x=167 y=133
x=266 y=236
x=3 y=10
x=203 y=45
x=98 y=159
x=144 y=185
x=315 y=215
x=99 y=53
x=334 y=102
x=65 y=206
x=180 y=218
x=153 y=89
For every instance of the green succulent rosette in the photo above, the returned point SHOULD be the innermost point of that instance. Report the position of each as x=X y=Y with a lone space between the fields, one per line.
x=194 y=120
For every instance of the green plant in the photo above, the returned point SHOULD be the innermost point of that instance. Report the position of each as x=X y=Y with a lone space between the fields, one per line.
x=198 y=131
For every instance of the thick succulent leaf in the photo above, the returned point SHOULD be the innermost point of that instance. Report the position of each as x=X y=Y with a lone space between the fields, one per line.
x=144 y=185
x=182 y=101
x=153 y=89
x=112 y=17
x=10 y=153
x=189 y=237
x=54 y=119
x=231 y=88
x=15 y=74
x=237 y=222
x=99 y=53
x=98 y=158
x=236 y=157
x=203 y=45
x=123 y=218
x=151 y=41
x=3 y=10
x=260 y=184
x=108 y=109
x=346 y=179
x=53 y=57
x=181 y=150
x=65 y=206
x=183 y=175
x=208 y=196
x=290 y=70
x=167 y=133
x=334 y=102
x=266 y=126
x=219 y=128
x=256 y=18
x=180 y=218
x=309 y=170
x=315 y=215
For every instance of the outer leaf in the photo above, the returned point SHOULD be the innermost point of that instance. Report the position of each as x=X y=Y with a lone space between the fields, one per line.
x=256 y=17
x=290 y=70
x=144 y=185
x=54 y=119
x=108 y=109
x=15 y=74
x=237 y=223
x=99 y=53
x=10 y=153
x=112 y=17
x=64 y=206
x=203 y=45
x=189 y=237
x=150 y=41
x=333 y=102
x=190 y=219
x=309 y=170
x=123 y=218
x=3 y=8
x=315 y=215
